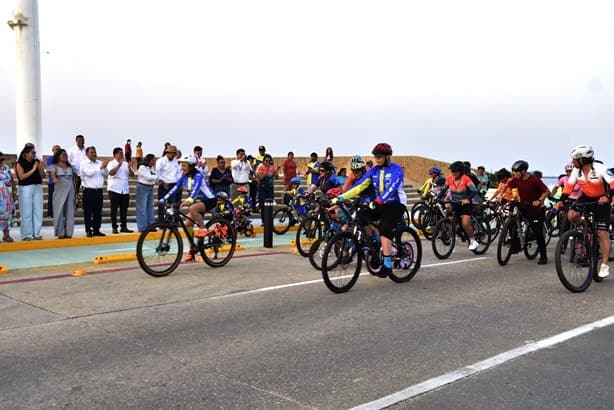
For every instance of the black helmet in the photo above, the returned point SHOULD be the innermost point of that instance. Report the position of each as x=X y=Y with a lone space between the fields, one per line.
x=457 y=166
x=538 y=174
x=520 y=165
x=327 y=166
x=502 y=174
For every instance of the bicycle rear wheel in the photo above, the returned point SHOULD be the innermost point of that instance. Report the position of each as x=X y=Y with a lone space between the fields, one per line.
x=573 y=261
x=506 y=242
x=159 y=249
x=530 y=243
x=308 y=231
x=316 y=251
x=341 y=262
x=281 y=221
x=406 y=261
x=444 y=239
x=219 y=245
x=416 y=214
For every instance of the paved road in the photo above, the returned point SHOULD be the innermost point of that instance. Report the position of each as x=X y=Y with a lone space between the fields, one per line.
x=264 y=332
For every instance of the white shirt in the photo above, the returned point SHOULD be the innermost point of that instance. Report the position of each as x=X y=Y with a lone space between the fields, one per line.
x=201 y=163
x=76 y=155
x=91 y=174
x=146 y=175
x=118 y=183
x=240 y=171
x=168 y=170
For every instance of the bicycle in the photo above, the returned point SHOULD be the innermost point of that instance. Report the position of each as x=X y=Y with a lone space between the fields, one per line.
x=346 y=250
x=446 y=230
x=287 y=216
x=577 y=254
x=159 y=248
x=516 y=235
x=310 y=229
x=425 y=215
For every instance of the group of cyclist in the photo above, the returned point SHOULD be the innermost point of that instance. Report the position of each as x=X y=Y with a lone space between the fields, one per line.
x=382 y=186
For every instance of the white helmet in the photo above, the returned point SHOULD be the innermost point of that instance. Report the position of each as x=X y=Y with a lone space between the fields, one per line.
x=569 y=167
x=582 y=151
x=188 y=159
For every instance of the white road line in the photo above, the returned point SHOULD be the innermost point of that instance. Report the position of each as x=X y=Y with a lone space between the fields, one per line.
x=311 y=282
x=494 y=361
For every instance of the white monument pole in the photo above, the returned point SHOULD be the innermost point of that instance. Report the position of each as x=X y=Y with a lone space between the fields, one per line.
x=28 y=78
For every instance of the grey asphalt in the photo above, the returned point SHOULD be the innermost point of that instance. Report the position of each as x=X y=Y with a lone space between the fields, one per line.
x=199 y=339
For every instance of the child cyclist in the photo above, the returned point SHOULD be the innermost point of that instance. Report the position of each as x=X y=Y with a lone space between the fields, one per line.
x=223 y=206
x=390 y=201
x=298 y=195
x=242 y=204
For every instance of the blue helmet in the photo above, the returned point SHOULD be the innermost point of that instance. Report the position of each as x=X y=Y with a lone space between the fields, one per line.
x=295 y=180
x=435 y=171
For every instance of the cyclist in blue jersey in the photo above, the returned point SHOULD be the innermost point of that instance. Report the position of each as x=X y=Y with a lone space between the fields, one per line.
x=326 y=180
x=201 y=198
x=390 y=199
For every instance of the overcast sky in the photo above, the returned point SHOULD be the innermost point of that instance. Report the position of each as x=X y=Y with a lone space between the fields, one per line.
x=485 y=81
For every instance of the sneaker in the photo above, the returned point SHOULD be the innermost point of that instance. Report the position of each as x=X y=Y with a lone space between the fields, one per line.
x=189 y=258
x=384 y=272
x=542 y=260
x=473 y=245
x=98 y=233
x=126 y=230
x=115 y=231
x=604 y=271
x=201 y=233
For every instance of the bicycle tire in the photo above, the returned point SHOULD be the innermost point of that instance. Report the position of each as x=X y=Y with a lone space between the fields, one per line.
x=530 y=248
x=155 y=251
x=344 y=249
x=573 y=261
x=416 y=214
x=220 y=243
x=444 y=236
x=406 y=261
x=308 y=231
x=481 y=233
x=316 y=252
x=281 y=221
x=429 y=221
x=506 y=241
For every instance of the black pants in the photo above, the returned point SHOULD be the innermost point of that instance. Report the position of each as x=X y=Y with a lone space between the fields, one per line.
x=50 y=189
x=92 y=209
x=120 y=201
x=536 y=217
x=161 y=192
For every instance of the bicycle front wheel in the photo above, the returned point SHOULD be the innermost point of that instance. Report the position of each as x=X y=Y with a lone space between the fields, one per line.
x=159 y=249
x=406 y=261
x=507 y=240
x=481 y=233
x=281 y=221
x=573 y=261
x=444 y=239
x=308 y=231
x=341 y=262
x=220 y=243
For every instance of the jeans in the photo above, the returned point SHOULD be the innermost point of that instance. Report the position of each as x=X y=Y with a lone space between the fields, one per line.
x=31 y=210
x=144 y=207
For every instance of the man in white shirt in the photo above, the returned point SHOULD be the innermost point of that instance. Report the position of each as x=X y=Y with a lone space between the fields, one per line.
x=76 y=154
x=92 y=173
x=241 y=171
x=168 y=171
x=201 y=162
x=119 y=191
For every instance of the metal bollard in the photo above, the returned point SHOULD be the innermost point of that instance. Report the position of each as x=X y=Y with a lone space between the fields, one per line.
x=267 y=221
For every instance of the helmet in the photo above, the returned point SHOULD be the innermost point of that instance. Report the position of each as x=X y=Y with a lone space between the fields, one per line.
x=435 y=171
x=582 y=151
x=334 y=192
x=188 y=159
x=295 y=180
x=222 y=195
x=569 y=167
x=357 y=163
x=520 y=165
x=502 y=174
x=327 y=166
x=242 y=190
x=537 y=173
x=382 y=148
x=457 y=166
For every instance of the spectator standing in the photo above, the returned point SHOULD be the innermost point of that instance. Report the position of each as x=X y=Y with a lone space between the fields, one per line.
x=260 y=157
x=483 y=180
x=77 y=154
x=128 y=151
x=266 y=174
x=119 y=190
x=328 y=156
x=201 y=162
x=221 y=177
x=63 y=174
x=93 y=172
x=146 y=180
x=50 y=184
x=241 y=170
x=342 y=176
x=7 y=198
x=167 y=169
x=313 y=169
x=139 y=154
x=30 y=172
x=288 y=167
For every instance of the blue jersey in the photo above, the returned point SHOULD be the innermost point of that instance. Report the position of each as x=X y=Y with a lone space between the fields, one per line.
x=387 y=181
x=326 y=183
x=196 y=185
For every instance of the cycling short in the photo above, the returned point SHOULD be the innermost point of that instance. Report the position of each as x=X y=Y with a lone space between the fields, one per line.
x=466 y=209
x=601 y=212
x=209 y=203
x=389 y=216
